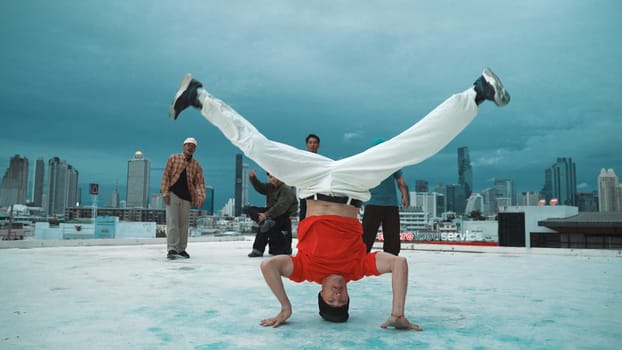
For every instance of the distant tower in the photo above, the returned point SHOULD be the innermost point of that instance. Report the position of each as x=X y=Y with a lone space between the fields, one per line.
x=505 y=193
x=73 y=191
x=14 y=185
x=244 y=185
x=57 y=186
x=62 y=186
x=489 y=197
x=475 y=202
x=238 y=186
x=421 y=186
x=564 y=181
x=208 y=204
x=138 y=175
x=441 y=189
x=37 y=182
x=607 y=188
x=587 y=201
x=530 y=198
x=465 y=172
x=114 y=203
x=547 y=189
x=454 y=198
x=427 y=202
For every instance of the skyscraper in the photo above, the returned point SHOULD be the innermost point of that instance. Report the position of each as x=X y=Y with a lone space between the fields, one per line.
x=475 y=202
x=14 y=185
x=245 y=200
x=37 y=182
x=238 y=186
x=465 y=172
x=564 y=181
x=489 y=196
x=73 y=191
x=547 y=189
x=505 y=193
x=454 y=198
x=587 y=201
x=421 y=186
x=427 y=202
x=607 y=190
x=62 y=186
x=138 y=175
x=529 y=198
x=114 y=200
x=208 y=204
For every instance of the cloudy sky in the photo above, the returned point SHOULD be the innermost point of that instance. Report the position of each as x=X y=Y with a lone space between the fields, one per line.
x=91 y=81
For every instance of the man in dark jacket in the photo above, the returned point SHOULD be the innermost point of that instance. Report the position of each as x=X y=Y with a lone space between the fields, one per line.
x=275 y=227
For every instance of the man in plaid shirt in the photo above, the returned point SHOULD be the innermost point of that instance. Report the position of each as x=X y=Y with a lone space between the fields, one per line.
x=182 y=186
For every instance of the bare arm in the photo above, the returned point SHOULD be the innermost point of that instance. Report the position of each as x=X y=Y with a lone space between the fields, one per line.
x=273 y=270
x=398 y=267
x=401 y=184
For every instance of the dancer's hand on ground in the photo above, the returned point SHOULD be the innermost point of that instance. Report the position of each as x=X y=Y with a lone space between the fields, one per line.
x=278 y=320
x=400 y=322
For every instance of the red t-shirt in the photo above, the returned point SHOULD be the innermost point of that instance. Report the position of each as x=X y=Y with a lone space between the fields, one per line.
x=331 y=244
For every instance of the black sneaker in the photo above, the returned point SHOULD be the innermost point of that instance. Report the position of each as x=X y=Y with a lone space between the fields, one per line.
x=184 y=255
x=267 y=225
x=489 y=87
x=255 y=254
x=185 y=97
x=172 y=254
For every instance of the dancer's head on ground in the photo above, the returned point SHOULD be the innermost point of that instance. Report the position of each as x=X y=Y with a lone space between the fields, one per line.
x=333 y=300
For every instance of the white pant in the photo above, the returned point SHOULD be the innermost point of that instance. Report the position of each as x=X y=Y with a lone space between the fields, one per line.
x=352 y=176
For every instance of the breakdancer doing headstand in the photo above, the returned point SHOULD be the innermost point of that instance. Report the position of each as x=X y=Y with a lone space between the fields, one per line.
x=331 y=251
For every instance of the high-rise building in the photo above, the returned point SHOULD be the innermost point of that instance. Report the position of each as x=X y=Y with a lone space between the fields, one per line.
x=114 y=200
x=465 y=172
x=74 y=194
x=14 y=185
x=229 y=207
x=138 y=175
x=426 y=202
x=38 y=180
x=62 y=189
x=607 y=189
x=421 y=186
x=208 y=204
x=505 y=193
x=245 y=200
x=475 y=202
x=157 y=202
x=441 y=202
x=490 y=206
x=238 y=186
x=454 y=198
x=547 y=189
x=587 y=201
x=564 y=181
x=529 y=198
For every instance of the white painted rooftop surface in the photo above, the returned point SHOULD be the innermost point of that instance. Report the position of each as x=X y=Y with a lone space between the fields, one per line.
x=129 y=296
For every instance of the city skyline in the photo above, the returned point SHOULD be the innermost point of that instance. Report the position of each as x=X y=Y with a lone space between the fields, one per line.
x=106 y=189
x=91 y=82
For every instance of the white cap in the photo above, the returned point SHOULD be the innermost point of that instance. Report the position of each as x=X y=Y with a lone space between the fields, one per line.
x=190 y=140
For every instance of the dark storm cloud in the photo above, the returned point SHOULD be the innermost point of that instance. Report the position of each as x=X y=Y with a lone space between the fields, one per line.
x=91 y=81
